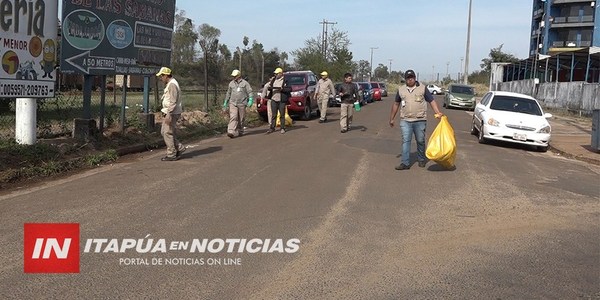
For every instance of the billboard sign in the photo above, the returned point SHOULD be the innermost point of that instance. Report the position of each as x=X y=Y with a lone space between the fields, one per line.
x=28 y=48
x=116 y=37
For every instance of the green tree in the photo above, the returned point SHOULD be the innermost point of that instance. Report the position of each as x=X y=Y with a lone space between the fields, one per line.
x=184 y=40
x=337 y=61
x=496 y=55
x=381 y=73
x=362 y=70
x=209 y=43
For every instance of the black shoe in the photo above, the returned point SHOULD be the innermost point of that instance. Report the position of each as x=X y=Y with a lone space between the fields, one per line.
x=402 y=167
x=344 y=130
x=230 y=135
x=180 y=151
x=169 y=158
x=422 y=164
x=321 y=121
x=271 y=130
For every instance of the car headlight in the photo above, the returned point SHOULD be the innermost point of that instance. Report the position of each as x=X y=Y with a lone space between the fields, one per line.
x=545 y=129
x=298 y=93
x=493 y=122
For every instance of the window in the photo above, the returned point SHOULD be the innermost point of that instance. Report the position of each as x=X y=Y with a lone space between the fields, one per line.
x=486 y=99
x=462 y=90
x=516 y=104
x=296 y=80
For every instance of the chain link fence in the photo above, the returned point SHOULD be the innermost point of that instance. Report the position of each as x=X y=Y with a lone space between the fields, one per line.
x=55 y=115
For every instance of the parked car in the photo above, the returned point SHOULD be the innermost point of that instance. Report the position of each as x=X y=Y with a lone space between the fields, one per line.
x=460 y=95
x=302 y=102
x=376 y=91
x=336 y=100
x=384 y=91
x=367 y=91
x=511 y=117
x=434 y=89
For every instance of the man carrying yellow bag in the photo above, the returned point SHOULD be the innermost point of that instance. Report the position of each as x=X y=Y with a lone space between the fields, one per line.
x=442 y=144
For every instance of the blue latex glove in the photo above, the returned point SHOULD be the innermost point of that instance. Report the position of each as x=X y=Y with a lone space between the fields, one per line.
x=225 y=103
x=250 y=101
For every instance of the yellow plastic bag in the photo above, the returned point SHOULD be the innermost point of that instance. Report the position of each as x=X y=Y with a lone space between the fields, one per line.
x=442 y=144
x=288 y=119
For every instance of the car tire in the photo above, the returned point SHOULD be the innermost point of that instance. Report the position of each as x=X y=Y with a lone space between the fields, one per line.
x=473 y=129
x=480 y=137
x=307 y=111
x=434 y=92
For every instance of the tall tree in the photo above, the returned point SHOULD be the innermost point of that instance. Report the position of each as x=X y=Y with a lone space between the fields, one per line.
x=496 y=55
x=184 y=42
x=209 y=43
x=381 y=72
x=338 y=59
x=363 y=69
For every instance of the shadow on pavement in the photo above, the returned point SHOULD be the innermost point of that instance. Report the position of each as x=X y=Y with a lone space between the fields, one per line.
x=199 y=152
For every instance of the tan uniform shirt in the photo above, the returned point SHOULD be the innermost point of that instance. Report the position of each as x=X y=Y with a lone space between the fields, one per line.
x=171 y=98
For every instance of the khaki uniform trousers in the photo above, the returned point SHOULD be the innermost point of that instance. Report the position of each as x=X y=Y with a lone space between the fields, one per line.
x=169 y=133
x=346 y=112
x=237 y=116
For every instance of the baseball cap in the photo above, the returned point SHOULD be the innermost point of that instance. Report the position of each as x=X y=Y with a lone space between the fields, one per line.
x=410 y=73
x=235 y=73
x=278 y=70
x=324 y=73
x=164 y=71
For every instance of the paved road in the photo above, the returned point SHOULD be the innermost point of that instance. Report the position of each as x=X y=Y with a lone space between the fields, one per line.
x=507 y=223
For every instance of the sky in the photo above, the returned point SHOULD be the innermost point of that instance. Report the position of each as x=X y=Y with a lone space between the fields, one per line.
x=428 y=36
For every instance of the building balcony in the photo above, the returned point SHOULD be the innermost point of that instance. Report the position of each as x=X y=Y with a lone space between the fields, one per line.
x=570 y=44
x=565 y=22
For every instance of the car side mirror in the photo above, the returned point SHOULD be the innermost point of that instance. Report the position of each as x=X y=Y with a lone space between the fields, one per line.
x=548 y=115
x=312 y=83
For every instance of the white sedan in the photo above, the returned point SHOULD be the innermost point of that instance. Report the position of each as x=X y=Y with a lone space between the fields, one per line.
x=511 y=117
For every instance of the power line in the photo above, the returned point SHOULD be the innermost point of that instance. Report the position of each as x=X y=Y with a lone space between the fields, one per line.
x=324 y=38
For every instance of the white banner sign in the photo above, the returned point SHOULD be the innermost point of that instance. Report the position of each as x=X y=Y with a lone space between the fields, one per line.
x=28 y=47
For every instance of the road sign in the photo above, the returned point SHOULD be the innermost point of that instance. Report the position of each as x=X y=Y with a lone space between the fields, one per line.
x=116 y=37
x=28 y=44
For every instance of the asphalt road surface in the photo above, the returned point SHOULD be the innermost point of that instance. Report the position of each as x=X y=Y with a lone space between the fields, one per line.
x=508 y=223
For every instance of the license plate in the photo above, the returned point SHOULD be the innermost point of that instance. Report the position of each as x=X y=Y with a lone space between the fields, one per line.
x=520 y=137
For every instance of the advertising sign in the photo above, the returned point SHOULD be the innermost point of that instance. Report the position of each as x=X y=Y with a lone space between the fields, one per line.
x=28 y=46
x=104 y=37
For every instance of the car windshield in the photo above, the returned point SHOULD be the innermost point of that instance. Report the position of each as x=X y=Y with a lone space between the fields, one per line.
x=375 y=85
x=364 y=86
x=295 y=80
x=516 y=104
x=462 y=90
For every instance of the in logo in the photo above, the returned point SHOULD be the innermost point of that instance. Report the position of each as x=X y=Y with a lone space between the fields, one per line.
x=51 y=248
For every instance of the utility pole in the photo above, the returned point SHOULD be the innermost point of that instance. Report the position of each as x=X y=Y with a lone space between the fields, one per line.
x=240 y=57
x=324 y=38
x=390 y=65
x=447 y=67
x=371 y=63
x=460 y=70
x=466 y=74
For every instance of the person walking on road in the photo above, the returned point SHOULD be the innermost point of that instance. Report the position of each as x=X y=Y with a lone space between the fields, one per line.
x=412 y=98
x=264 y=94
x=238 y=96
x=171 y=110
x=279 y=93
x=348 y=95
x=323 y=91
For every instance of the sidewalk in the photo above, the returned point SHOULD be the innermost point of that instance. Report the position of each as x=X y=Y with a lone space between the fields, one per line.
x=572 y=137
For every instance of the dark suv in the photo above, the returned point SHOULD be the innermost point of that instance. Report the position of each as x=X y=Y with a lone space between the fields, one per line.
x=301 y=102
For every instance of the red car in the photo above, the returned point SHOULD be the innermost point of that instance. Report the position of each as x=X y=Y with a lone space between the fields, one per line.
x=376 y=91
x=302 y=102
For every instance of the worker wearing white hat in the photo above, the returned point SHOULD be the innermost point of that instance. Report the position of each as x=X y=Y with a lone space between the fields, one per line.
x=239 y=95
x=324 y=90
x=171 y=109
